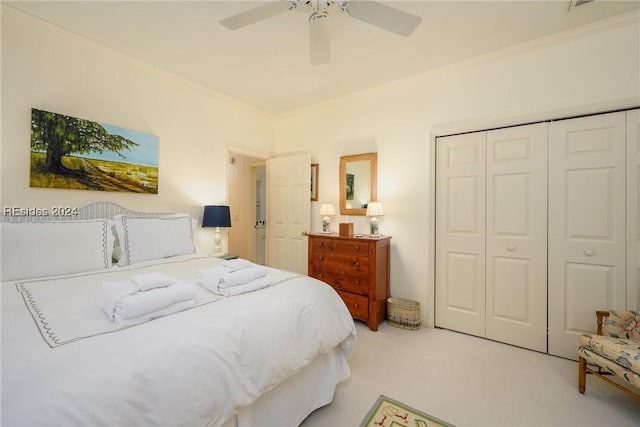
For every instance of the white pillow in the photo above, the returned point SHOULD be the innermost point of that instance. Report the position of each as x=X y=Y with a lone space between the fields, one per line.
x=39 y=249
x=147 y=238
x=117 y=251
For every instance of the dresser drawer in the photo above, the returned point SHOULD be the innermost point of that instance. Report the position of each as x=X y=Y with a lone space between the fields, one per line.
x=336 y=265
x=358 y=305
x=358 y=284
x=327 y=246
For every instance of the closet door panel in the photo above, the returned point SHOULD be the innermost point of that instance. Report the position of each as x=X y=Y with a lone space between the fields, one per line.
x=586 y=225
x=516 y=250
x=460 y=233
x=633 y=218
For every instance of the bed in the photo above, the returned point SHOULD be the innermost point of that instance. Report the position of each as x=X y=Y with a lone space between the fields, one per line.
x=266 y=357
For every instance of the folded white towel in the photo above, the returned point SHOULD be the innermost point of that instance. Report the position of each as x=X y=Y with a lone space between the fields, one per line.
x=173 y=308
x=212 y=276
x=125 y=304
x=148 y=281
x=225 y=277
x=143 y=303
x=254 y=285
x=237 y=264
x=112 y=292
x=242 y=276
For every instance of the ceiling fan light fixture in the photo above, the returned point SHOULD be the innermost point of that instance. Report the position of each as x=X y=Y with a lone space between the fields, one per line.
x=368 y=11
x=318 y=15
x=319 y=5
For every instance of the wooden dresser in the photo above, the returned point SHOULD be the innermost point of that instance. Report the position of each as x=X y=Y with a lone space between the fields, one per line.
x=357 y=268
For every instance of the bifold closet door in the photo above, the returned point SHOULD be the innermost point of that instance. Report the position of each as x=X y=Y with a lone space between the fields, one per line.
x=491 y=234
x=633 y=210
x=516 y=238
x=586 y=225
x=460 y=233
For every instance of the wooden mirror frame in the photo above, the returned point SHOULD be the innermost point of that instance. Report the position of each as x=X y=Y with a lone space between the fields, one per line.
x=373 y=184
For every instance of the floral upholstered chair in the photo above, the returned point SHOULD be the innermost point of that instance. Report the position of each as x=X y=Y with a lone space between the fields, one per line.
x=615 y=350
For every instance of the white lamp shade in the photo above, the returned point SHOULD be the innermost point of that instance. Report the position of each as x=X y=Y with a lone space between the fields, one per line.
x=375 y=209
x=326 y=209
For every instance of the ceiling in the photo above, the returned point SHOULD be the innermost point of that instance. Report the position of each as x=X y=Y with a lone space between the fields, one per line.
x=266 y=65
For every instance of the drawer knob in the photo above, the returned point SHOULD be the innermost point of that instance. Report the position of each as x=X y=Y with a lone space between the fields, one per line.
x=357 y=282
x=358 y=247
x=321 y=257
x=357 y=264
x=321 y=244
x=320 y=275
x=589 y=252
x=356 y=305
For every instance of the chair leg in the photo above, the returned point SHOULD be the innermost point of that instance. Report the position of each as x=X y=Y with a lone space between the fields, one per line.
x=582 y=374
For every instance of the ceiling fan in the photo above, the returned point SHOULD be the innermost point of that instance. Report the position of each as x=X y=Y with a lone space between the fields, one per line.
x=371 y=12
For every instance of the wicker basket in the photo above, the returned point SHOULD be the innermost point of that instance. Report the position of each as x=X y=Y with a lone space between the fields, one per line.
x=403 y=313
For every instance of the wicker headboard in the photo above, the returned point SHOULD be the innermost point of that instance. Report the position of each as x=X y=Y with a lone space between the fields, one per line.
x=95 y=210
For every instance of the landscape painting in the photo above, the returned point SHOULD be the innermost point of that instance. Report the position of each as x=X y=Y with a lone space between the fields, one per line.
x=68 y=152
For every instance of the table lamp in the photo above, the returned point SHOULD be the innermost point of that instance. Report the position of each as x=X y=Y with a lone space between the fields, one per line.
x=374 y=210
x=327 y=210
x=216 y=216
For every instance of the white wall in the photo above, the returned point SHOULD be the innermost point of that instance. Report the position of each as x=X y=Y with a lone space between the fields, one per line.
x=47 y=68
x=596 y=68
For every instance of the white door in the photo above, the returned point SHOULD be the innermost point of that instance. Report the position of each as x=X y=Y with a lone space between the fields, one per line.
x=633 y=219
x=460 y=233
x=516 y=241
x=586 y=225
x=288 y=212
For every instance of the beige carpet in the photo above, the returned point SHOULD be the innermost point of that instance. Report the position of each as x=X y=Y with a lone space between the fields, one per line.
x=469 y=381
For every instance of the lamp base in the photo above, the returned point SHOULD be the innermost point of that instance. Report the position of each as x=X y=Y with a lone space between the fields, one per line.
x=373 y=227
x=326 y=225
x=217 y=239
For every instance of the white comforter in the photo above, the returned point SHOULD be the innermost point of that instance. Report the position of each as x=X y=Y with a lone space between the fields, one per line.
x=65 y=363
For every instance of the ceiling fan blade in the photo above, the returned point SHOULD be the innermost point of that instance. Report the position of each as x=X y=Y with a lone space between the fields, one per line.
x=256 y=14
x=319 y=40
x=383 y=16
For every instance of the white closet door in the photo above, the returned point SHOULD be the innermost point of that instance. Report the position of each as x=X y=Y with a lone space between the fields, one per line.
x=586 y=225
x=516 y=263
x=633 y=219
x=460 y=233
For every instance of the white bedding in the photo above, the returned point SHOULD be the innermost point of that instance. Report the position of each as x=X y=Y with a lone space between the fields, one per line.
x=65 y=363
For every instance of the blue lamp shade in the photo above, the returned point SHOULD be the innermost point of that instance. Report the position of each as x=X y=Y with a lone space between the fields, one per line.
x=216 y=216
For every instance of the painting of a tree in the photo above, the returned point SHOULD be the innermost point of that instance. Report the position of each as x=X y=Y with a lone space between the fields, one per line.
x=69 y=152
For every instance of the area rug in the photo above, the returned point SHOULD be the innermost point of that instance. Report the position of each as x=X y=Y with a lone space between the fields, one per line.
x=387 y=412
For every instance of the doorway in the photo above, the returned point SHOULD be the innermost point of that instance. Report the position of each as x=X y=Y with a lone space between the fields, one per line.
x=246 y=177
x=259 y=174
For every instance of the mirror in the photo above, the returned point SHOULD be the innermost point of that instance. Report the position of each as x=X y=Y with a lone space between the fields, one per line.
x=358 y=183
